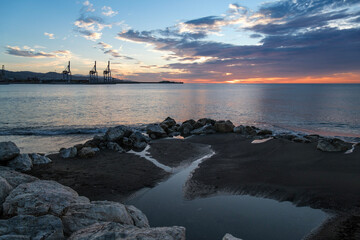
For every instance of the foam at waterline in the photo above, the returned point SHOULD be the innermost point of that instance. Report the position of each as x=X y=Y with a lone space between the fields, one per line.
x=257 y=141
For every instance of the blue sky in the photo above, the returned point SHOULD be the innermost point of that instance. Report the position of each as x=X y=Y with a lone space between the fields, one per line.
x=192 y=41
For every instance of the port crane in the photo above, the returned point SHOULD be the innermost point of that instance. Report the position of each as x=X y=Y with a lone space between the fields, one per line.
x=107 y=74
x=67 y=73
x=93 y=75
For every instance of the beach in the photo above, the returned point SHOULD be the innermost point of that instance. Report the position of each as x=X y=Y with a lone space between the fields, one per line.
x=276 y=168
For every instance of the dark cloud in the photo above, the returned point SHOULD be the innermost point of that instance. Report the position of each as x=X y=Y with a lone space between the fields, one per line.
x=305 y=41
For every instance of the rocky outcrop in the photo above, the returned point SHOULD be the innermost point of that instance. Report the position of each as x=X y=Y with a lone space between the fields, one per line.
x=224 y=126
x=31 y=227
x=228 y=236
x=38 y=159
x=333 y=145
x=8 y=151
x=68 y=152
x=204 y=121
x=15 y=178
x=168 y=122
x=155 y=131
x=114 y=134
x=139 y=218
x=245 y=130
x=40 y=198
x=79 y=216
x=118 y=231
x=264 y=132
x=21 y=163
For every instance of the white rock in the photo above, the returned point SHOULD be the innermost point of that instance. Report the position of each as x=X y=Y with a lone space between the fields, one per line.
x=15 y=178
x=230 y=237
x=116 y=231
x=68 y=152
x=21 y=163
x=46 y=227
x=39 y=198
x=79 y=216
x=38 y=159
x=8 y=151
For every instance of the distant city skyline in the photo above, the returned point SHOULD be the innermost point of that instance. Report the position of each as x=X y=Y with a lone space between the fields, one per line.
x=198 y=41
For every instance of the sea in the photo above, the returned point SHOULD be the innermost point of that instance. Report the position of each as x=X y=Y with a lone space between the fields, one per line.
x=45 y=117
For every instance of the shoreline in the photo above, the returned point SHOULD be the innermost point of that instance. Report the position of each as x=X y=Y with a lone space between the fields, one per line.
x=238 y=167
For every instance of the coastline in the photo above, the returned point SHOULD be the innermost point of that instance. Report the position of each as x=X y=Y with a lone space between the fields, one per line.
x=298 y=172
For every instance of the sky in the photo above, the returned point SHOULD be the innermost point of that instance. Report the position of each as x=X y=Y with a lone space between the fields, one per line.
x=194 y=41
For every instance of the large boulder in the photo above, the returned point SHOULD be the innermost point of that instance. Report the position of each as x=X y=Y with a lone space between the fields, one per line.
x=8 y=151
x=203 y=121
x=5 y=189
x=15 y=178
x=185 y=129
x=40 y=198
x=46 y=227
x=333 y=145
x=114 y=134
x=113 y=230
x=38 y=159
x=79 y=216
x=139 y=140
x=224 y=126
x=168 y=122
x=245 y=130
x=155 y=131
x=21 y=163
x=68 y=152
x=206 y=129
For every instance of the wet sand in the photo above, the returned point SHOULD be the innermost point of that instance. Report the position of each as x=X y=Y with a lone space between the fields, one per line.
x=115 y=176
x=285 y=171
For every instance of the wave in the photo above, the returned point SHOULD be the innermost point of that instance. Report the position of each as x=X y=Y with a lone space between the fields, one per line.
x=50 y=132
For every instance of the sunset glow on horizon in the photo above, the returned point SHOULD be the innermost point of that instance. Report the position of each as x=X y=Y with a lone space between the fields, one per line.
x=200 y=41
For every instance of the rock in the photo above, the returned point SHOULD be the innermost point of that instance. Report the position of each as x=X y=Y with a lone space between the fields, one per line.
x=228 y=236
x=250 y=130
x=115 y=147
x=14 y=237
x=127 y=143
x=139 y=146
x=87 y=152
x=46 y=227
x=38 y=159
x=5 y=189
x=203 y=121
x=192 y=122
x=289 y=137
x=15 y=178
x=114 y=134
x=111 y=230
x=155 y=131
x=168 y=122
x=185 y=129
x=21 y=163
x=40 y=197
x=312 y=137
x=224 y=126
x=83 y=215
x=8 y=151
x=240 y=130
x=264 y=132
x=79 y=146
x=300 y=140
x=207 y=129
x=68 y=152
x=174 y=134
x=138 y=217
x=138 y=137
x=333 y=145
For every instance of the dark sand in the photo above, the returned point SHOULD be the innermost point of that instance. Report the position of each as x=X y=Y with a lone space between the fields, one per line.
x=285 y=171
x=115 y=176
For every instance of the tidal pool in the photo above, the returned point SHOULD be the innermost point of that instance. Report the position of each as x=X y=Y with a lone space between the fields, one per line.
x=245 y=217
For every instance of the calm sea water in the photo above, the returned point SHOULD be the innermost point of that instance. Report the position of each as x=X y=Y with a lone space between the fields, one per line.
x=46 y=117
